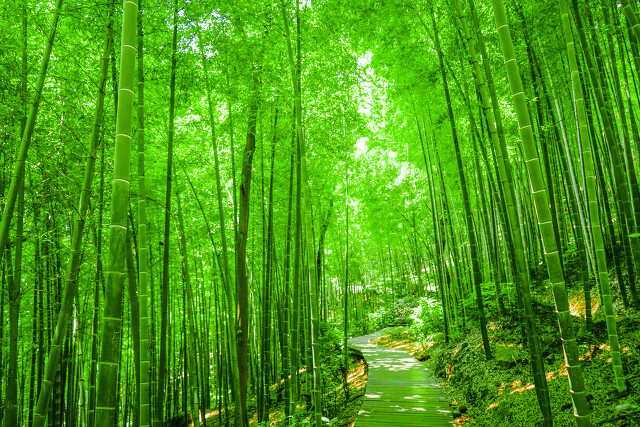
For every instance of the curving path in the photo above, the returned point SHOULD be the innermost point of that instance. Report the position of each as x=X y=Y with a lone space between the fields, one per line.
x=400 y=391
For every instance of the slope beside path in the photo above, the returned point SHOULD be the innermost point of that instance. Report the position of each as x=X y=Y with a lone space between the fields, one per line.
x=400 y=391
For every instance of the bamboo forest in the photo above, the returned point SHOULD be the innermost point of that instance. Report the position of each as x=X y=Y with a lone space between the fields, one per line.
x=319 y=213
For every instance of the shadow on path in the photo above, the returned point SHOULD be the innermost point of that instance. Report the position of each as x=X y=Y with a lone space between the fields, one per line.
x=400 y=391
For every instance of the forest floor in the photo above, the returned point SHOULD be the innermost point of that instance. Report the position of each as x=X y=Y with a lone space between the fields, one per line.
x=338 y=410
x=501 y=391
x=497 y=392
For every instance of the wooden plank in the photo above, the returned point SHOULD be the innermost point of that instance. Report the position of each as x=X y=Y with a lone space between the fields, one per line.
x=400 y=390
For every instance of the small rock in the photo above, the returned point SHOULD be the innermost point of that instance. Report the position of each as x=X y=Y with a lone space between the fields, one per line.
x=623 y=407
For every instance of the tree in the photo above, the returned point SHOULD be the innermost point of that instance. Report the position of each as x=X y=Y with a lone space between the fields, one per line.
x=431 y=226
x=107 y=390
x=543 y=213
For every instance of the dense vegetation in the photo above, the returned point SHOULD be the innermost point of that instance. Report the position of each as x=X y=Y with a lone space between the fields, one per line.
x=203 y=200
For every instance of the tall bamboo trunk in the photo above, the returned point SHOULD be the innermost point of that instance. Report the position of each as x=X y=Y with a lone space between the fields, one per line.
x=107 y=391
x=242 y=289
x=163 y=381
x=543 y=214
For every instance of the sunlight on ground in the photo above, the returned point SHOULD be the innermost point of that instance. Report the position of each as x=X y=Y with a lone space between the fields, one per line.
x=516 y=387
x=528 y=386
x=577 y=305
x=357 y=379
x=464 y=419
x=450 y=371
x=494 y=405
x=400 y=340
x=563 y=370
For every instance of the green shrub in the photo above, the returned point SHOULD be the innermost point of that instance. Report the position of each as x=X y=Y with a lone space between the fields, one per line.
x=426 y=318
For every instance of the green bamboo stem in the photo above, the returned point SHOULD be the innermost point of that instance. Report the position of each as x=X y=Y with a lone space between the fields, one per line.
x=287 y=368
x=436 y=232
x=266 y=359
x=98 y=280
x=192 y=336
x=596 y=231
x=242 y=288
x=632 y=19
x=107 y=391
x=308 y=235
x=143 y=244
x=543 y=213
x=165 y=340
x=582 y=235
x=512 y=228
x=71 y=285
x=10 y=415
x=509 y=208
x=134 y=321
x=225 y=274
x=477 y=277
x=17 y=179
x=632 y=246
x=296 y=340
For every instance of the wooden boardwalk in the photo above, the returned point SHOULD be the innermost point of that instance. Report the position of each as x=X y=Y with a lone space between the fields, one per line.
x=400 y=391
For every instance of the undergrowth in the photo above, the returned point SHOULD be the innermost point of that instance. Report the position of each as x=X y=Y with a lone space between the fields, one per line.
x=339 y=406
x=500 y=392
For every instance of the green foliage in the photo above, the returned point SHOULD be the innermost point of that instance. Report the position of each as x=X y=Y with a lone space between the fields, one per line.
x=330 y=336
x=330 y=342
x=426 y=318
x=302 y=421
x=490 y=298
x=369 y=74
x=392 y=311
x=484 y=386
x=383 y=317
